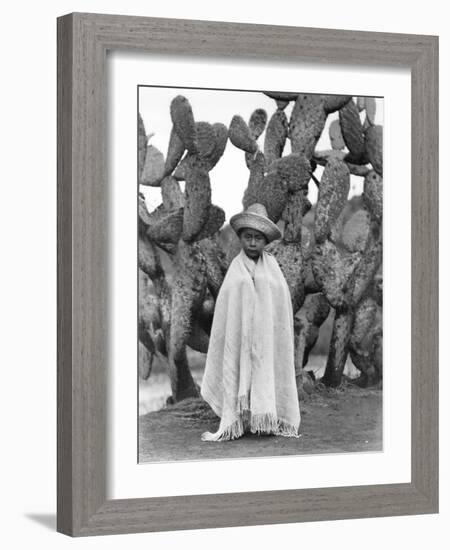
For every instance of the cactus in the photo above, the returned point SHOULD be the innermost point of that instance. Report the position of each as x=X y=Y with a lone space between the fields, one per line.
x=175 y=151
x=289 y=258
x=281 y=104
x=294 y=170
x=257 y=123
x=171 y=193
x=352 y=132
x=334 y=273
x=272 y=193
x=333 y=193
x=307 y=323
x=374 y=147
x=197 y=202
x=153 y=170
x=142 y=145
x=148 y=259
x=356 y=231
x=366 y=269
x=289 y=251
x=220 y=142
x=188 y=292
x=256 y=177
x=183 y=122
x=337 y=355
x=336 y=139
x=346 y=254
x=323 y=157
x=368 y=104
x=174 y=314
x=183 y=167
x=369 y=358
x=346 y=292
x=209 y=151
x=240 y=135
x=154 y=304
x=166 y=228
x=333 y=266
x=145 y=362
x=282 y=96
x=276 y=134
x=364 y=319
x=306 y=124
x=373 y=194
x=292 y=216
x=216 y=267
x=333 y=103
x=370 y=107
x=206 y=138
x=215 y=218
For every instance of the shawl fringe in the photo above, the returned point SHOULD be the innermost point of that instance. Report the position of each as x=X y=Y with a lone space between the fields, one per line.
x=266 y=423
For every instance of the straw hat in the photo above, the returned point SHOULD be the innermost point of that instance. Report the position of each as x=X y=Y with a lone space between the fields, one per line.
x=255 y=217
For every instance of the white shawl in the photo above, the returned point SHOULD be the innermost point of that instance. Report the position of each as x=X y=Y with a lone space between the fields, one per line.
x=249 y=378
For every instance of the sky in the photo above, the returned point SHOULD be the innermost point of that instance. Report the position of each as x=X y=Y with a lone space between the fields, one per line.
x=229 y=177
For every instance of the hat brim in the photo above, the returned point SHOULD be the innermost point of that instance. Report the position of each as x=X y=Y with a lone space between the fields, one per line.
x=255 y=221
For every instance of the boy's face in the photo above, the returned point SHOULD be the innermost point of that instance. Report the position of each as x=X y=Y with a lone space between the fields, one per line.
x=252 y=242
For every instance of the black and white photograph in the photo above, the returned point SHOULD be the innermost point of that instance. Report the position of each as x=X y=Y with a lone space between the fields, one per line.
x=221 y=282
x=260 y=243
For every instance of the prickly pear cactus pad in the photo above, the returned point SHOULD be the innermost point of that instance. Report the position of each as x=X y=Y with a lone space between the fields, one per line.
x=214 y=221
x=166 y=228
x=335 y=273
x=240 y=135
x=333 y=103
x=206 y=138
x=307 y=123
x=272 y=192
x=149 y=259
x=282 y=96
x=374 y=148
x=371 y=107
x=333 y=194
x=292 y=216
x=256 y=177
x=373 y=194
x=335 y=133
x=184 y=123
x=220 y=142
x=172 y=196
x=257 y=122
x=174 y=152
x=153 y=171
x=365 y=314
x=289 y=258
x=142 y=145
x=276 y=135
x=366 y=269
x=294 y=169
x=197 y=203
x=356 y=231
x=352 y=130
x=315 y=161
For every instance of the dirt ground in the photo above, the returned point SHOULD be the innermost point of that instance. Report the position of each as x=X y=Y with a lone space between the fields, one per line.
x=347 y=419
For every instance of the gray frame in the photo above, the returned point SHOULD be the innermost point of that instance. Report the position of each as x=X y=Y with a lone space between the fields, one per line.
x=83 y=40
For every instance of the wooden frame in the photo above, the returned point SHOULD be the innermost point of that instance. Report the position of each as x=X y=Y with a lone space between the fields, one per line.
x=83 y=40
